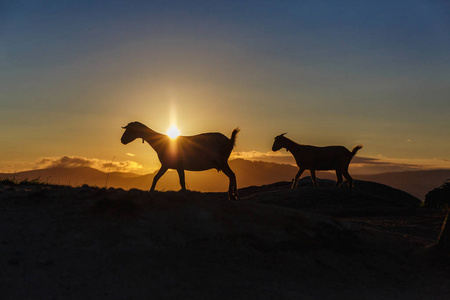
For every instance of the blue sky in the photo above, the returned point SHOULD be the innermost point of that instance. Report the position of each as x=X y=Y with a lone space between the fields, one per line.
x=327 y=72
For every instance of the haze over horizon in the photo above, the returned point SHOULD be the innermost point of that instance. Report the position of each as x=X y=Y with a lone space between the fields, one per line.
x=373 y=73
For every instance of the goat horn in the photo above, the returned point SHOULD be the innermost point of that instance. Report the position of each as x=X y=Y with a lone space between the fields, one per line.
x=124 y=127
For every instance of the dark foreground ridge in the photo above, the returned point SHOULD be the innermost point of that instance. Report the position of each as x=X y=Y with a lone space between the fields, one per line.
x=67 y=243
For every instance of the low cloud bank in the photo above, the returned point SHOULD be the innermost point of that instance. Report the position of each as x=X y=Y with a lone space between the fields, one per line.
x=99 y=164
x=273 y=157
x=359 y=165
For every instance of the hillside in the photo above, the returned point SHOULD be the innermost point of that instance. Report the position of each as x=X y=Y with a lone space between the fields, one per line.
x=248 y=173
x=63 y=242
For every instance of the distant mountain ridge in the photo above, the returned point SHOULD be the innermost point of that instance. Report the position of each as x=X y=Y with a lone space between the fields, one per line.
x=417 y=183
x=248 y=173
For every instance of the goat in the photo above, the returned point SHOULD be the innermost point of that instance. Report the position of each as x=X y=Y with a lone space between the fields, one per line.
x=192 y=153
x=314 y=158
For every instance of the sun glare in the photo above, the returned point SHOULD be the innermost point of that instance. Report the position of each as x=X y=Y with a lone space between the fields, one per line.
x=173 y=132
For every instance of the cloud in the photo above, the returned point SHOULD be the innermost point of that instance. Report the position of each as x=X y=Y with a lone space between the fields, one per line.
x=443 y=159
x=368 y=161
x=275 y=157
x=99 y=164
x=369 y=165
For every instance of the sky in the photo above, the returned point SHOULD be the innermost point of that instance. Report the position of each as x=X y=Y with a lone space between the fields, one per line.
x=326 y=72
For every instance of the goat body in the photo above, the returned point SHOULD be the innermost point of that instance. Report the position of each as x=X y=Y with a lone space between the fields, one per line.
x=192 y=153
x=314 y=158
x=197 y=153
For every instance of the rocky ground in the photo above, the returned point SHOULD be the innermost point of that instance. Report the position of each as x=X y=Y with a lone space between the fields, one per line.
x=61 y=242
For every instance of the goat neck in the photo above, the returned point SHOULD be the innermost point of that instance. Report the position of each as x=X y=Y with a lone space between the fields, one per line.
x=155 y=139
x=290 y=145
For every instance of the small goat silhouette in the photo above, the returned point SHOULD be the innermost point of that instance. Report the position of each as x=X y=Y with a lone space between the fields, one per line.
x=318 y=158
x=192 y=153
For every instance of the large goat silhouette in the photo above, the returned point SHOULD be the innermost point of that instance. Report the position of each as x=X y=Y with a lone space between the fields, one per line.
x=314 y=158
x=192 y=153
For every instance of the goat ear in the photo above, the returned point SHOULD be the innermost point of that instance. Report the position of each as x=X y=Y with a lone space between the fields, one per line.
x=124 y=127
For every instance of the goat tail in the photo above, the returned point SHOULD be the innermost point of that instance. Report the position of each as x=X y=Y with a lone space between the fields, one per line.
x=355 y=149
x=233 y=136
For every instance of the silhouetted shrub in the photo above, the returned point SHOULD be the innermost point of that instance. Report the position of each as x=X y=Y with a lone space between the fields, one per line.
x=12 y=180
x=439 y=197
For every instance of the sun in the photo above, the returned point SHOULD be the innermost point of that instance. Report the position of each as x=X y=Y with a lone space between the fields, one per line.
x=173 y=132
